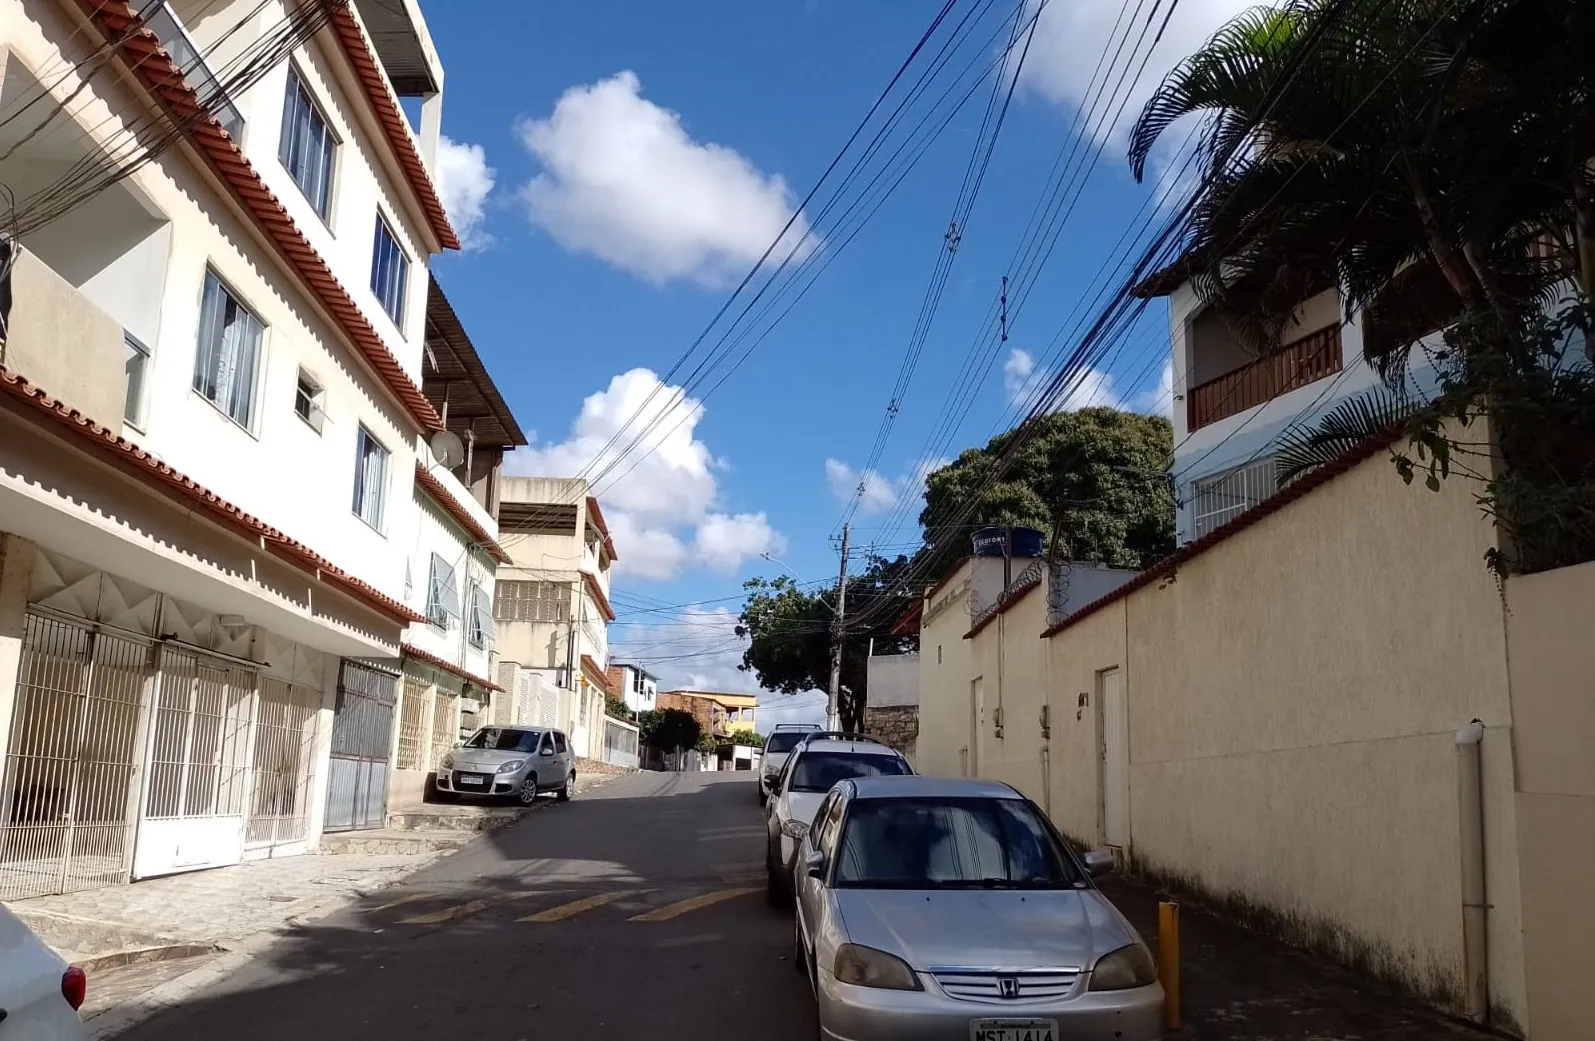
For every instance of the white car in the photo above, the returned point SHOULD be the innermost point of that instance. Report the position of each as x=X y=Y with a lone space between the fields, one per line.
x=817 y=764
x=40 y=994
x=778 y=745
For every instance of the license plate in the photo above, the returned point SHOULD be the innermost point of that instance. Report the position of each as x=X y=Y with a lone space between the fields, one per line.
x=1013 y=1030
x=464 y=779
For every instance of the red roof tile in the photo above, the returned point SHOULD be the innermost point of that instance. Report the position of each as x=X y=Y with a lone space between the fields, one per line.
x=599 y=678
x=409 y=650
x=598 y=594
x=1297 y=489
x=142 y=464
x=358 y=48
x=1005 y=603
x=142 y=52
x=454 y=508
x=597 y=515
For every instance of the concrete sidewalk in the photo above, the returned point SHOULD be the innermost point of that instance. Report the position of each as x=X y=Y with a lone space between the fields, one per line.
x=1237 y=986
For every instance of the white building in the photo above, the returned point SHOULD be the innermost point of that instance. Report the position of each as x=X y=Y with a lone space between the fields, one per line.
x=210 y=424
x=638 y=687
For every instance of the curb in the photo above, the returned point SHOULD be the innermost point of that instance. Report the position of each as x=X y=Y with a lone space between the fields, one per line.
x=145 y=955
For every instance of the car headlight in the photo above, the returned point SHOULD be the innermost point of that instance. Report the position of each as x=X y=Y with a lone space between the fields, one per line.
x=794 y=829
x=1124 y=969
x=867 y=967
x=447 y=762
x=511 y=766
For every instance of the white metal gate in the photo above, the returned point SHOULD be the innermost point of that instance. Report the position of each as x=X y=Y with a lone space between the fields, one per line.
x=282 y=764
x=1115 y=772
x=195 y=792
x=67 y=799
x=362 y=746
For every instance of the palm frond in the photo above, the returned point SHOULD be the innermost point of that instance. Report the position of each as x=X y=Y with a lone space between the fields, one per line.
x=1342 y=428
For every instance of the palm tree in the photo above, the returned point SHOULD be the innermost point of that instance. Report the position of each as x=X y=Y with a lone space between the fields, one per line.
x=1404 y=160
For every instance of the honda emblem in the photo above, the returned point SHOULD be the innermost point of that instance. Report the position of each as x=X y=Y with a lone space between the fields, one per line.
x=1008 y=986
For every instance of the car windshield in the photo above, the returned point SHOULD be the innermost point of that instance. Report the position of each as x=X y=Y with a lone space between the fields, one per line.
x=950 y=843
x=504 y=740
x=818 y=771
x=783 y=740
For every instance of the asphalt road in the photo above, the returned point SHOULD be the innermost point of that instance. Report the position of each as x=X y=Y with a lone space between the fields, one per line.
x=635 y=911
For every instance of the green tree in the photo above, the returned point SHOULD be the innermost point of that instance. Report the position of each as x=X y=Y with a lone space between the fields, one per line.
x=668 y=729
x=788 y=631
x=1094 y=480
x=616 y=706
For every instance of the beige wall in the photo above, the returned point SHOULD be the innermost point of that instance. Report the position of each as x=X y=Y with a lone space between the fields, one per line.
x=944 y=675
x=1553 y=677
x=1292 y=697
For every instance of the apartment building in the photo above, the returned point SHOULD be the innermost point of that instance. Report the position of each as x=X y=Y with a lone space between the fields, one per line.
x=551 y=606
x=1231 y=407
x=637 y=687
x=211 y=424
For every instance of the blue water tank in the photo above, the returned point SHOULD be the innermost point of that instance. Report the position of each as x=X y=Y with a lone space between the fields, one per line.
x=1005 y=540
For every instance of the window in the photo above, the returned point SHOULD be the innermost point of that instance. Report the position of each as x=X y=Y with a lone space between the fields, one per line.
x=1217 y=500
x=506 y=739
x=409 y=581
x=548 y=744
x=390 y=270
x=959 y=843
x=307 y=146
x=370 y=479
x=136 y=363
x=228 y=359
x=818 y=771
x=515 y=601
x=481 y=627
x=310 y=401
x=559 y=743
x=442 y=597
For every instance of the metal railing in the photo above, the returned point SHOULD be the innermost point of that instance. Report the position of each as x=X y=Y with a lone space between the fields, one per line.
x=281 y=770
x=1305 y=361
x=1217 y=500
x=414 y=713
x=163 y=21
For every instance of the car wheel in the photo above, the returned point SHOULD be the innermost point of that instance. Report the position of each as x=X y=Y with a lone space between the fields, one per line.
x=569 y=788
x=527 y=793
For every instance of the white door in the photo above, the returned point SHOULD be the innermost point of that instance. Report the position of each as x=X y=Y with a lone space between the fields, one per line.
x=1115 y=760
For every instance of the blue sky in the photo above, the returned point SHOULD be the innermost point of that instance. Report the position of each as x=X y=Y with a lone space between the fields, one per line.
x=612 y=164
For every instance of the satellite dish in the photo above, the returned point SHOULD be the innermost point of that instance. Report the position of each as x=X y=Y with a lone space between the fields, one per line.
x=447 y=449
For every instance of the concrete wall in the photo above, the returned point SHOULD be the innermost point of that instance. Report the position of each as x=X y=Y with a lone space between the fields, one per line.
x=893 y=679
x=1553 y=712
x=434 y=531
x=1093 y=645
x=1011 y=661
x=944 y=676
x=47 y=316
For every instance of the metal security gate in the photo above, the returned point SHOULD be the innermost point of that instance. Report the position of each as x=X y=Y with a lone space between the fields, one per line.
x=195 y=794
x=282 y=765
x=362 y=740
x=67 y=799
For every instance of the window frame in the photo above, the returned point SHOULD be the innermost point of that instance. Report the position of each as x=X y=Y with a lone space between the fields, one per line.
x=227 y=292
x=296 y=79
x=434 y=587
x=133 y=403
x=363 y=436
x=315 y=415
x=402 y=286
x=479 y=625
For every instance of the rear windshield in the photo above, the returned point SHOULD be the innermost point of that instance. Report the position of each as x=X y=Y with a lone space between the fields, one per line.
x=818 y=771
x=502 y=740
x=972 y=843
x=783 y=740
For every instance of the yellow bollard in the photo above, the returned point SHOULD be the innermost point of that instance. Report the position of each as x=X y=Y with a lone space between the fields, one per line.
x=1168 y=957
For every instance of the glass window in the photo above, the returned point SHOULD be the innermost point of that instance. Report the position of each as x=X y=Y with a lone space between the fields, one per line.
x=559 y=743
x=390 y=270
x=307 y=145
x=308 y=401
x=136 y=364
x=370 y=479
x=505 y=739
x=958 y=843
x=548 y=744
x=818 y=771
x=442 y=595
x=228 y=359
x=480 y=630
x=784 y=740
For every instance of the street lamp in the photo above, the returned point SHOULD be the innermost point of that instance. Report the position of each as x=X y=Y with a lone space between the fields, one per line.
x=799 y=578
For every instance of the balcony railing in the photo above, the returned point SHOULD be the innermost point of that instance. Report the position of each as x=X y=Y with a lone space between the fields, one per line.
x=1308 y=360
x=163 y=22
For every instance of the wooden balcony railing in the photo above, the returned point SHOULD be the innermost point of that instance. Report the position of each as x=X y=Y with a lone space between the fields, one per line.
x=1308 y=360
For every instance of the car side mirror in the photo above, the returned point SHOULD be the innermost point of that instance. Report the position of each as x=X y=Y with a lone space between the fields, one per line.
x=814 y=864
x=546 y=752
x=1098 y=862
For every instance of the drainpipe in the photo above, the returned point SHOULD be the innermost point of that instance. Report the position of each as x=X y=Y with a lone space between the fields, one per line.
x=1475 y=941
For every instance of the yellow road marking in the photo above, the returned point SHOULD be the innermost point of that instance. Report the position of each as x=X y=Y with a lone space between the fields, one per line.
x=681 y=907
x=447 y=914
x=412 y=898
x=576 y=907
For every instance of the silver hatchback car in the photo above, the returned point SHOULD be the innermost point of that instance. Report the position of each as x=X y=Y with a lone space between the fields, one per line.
x=932 y=909
x=519 y=762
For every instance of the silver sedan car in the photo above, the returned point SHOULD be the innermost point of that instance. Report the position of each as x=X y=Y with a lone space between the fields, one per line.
x=932 y=909
x=519 y=762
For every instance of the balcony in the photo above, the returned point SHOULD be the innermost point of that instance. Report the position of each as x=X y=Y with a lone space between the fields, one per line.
x=162 y=20
x=1297 y=364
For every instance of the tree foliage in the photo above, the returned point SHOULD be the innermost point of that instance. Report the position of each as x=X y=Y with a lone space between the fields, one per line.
x=668 y=729
x=1094 y=480
x=616 y=706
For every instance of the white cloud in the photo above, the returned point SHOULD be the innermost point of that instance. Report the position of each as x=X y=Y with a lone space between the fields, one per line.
x=464 y=183
x=880 y=493
x=1071 y=36
x=662 y=510
x=1023 y=380
x=623 y=180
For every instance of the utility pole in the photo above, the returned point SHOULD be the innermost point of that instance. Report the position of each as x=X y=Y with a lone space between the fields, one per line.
x=832 y=719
